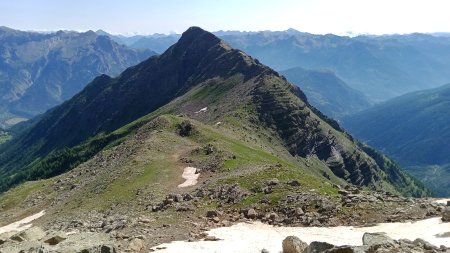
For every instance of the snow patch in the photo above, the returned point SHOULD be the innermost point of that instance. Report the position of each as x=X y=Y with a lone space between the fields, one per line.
x=202 y=110
x=260 y=236
x=191 y=177
x=22 y=224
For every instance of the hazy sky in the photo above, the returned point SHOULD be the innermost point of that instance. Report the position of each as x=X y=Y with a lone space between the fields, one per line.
x=164 y=16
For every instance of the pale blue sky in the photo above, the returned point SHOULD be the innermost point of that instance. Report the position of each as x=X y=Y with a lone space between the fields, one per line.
x=164 y=16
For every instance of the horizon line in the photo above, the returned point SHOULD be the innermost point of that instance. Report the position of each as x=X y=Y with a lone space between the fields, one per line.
x=133 y=34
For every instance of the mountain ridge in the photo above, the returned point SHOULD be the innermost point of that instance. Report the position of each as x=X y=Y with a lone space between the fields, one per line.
x=199 y=71
x=381 y=67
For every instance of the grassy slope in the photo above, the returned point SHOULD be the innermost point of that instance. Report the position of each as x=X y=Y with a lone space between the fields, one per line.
x=153 y=168
x=237 y=115
x=140 y=163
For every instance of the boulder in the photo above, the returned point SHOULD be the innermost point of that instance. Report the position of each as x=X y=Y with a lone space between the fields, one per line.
x=376 y=239
x=299 y=212
x=211 y=238
x=251 y=213
x=107 y=249
x=17 y=238
x=446 y=214
x=316 y=247
x=177 y=198
x=273 y=182
x=212 y=213
x=33 y=234
x=424 y=244
x=294 y=182
x=293 y=244
x=209 y=149
x=55 y=238
x=136 y=245
x=341 y=249
x=95 y=249
x=274 y=216
x=351 y=249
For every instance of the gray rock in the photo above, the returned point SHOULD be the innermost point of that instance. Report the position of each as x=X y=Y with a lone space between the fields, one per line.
x=273 y=182
x=341 y=249
x=251 y=213
x=299 y=212
x=350 y=249
x=426 y=245
x=17 y=238
x=293 y=244
x=267 y=190
x=136 y=245
x=211 y=238
x=274 y=216
x=376 y=239
x=178 y=198
x=55 y=238
x=446 y=214
x=107 y=249
x=33 y=233
x=264 y=251
x=212 y=213
x=316 y=247
x=294 y=182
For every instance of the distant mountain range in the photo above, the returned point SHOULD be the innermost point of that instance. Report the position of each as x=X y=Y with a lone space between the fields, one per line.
x=415 y=130
x=381 y=67
x=199 y=92
x=327 y=92
x=39 y=71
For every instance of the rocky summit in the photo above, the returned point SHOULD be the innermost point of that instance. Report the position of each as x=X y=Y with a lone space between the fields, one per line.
x=198 y=137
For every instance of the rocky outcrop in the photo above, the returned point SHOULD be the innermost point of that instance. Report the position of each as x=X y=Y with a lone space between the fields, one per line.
x=304 y=208
x=372 y=243
x=306 y=132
